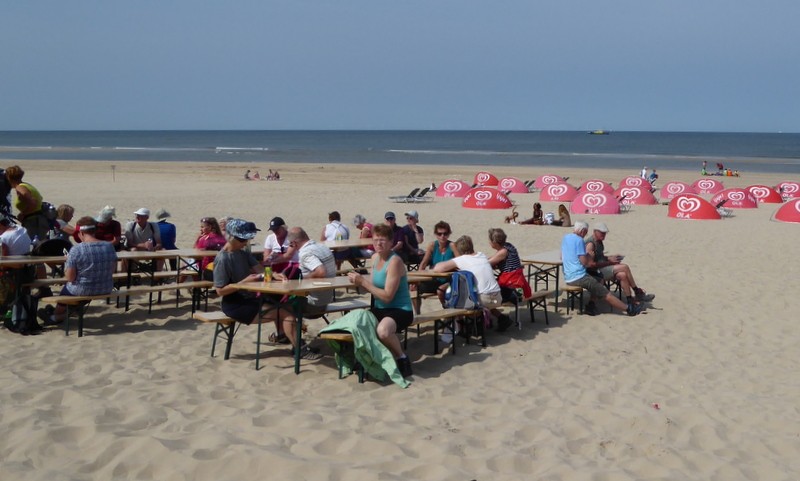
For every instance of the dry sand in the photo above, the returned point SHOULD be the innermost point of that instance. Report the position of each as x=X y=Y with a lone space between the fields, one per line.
x=702 y=386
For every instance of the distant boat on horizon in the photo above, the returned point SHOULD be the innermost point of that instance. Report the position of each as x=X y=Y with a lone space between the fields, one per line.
x=599 y=132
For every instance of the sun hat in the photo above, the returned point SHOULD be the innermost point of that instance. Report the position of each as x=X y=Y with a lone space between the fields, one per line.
x=412 y=213
x=389 y=215
x=107 y=213
x=241 y=229
x=143 y=212
x=276 y=223
x=162 y=214
x=601 y=226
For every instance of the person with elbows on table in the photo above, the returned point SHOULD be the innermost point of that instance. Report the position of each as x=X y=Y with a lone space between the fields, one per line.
x=389 y=289
x=89 y=269
x=233 y=265
x=142 y=235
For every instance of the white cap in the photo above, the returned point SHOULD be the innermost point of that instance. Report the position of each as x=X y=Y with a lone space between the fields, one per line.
x=143 y=212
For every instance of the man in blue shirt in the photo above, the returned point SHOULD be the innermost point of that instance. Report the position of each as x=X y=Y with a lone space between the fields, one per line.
x=574 y=261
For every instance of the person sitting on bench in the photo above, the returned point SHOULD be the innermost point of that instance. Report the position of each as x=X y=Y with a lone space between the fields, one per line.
x=89 y=270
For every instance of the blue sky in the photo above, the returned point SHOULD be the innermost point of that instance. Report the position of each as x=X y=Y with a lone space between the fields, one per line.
x=686 y=65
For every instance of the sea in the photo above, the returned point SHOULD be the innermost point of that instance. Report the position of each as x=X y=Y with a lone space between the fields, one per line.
x=754 y=152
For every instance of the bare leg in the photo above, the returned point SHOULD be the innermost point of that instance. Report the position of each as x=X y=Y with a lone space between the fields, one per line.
x=387 y=334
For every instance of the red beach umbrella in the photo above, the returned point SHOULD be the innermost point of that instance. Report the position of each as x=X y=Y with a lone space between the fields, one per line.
x=765 y=194
x=634 y=181
x=485 y=198
x=708 y=186
x=487 y=179
x=544 y=180
x=512 y=184
x=737 y=199
x=673 y=189
x=595 y=203
x=636 y=195
x=596 y=185
x=559 y=192
x=789 y=212
x=788 y=189
x=692 y=207
x=452 y=188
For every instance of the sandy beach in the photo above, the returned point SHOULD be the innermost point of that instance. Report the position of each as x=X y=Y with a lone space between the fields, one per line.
x=702 y=386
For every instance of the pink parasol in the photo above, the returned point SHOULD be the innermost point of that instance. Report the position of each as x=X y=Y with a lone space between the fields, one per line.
x=692 y=207
x=673 y=189
x=635 y=195
x=452 y=188
x=596 y=185
x=594 y=203
x=544 y=180
x=487 y=179
x=736 y=199
x=708 y=186
x=559 y=192
x=789 y=212
x=634 y=181
x=485 y=198
x=512 y=184
x=788 y=189
x=764 y=194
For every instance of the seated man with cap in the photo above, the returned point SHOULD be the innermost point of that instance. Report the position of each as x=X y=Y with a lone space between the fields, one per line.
x=610 y=267
x=574 y=261
x=234 y=264
x=142 y=235
x=277 y=251
x=413 y=236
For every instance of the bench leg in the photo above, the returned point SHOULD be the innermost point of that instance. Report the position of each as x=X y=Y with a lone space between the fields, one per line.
x=229 y=331
x=258 y=345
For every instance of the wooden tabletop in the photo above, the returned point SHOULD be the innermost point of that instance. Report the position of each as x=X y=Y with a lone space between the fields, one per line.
x=20 y=261
x=299 y=287
x=338 y=245
x=547 y=258
x=165 y=254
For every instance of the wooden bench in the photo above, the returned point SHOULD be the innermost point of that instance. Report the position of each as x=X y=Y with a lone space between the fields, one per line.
x=446 y=318
x=537 y=299
x=346 y=338
x=79 y=304
x=573 y=293
x=228 y=327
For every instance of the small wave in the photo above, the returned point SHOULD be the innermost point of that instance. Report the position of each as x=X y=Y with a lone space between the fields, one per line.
x=245 y=149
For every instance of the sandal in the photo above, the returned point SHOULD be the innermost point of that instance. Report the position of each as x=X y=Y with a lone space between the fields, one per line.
x=276 y=338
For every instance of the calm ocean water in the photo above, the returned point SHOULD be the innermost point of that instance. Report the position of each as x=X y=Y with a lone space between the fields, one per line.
x=777 y=152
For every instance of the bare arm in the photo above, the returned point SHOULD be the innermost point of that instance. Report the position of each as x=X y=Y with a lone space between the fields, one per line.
x=427 y=258
x=446 y=266
x=70 y=273
x=498 y=257
x=233 y=287
x=394 y=273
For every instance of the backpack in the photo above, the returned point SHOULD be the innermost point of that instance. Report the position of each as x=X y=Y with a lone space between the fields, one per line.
x=49 y=211
x=462 y=292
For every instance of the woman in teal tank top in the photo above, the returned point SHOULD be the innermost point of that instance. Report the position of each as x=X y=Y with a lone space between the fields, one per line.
x=439 y=250
x=392 y=300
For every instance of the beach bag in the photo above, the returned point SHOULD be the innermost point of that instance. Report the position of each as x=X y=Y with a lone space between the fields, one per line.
x=549 y=218
x=462 y=292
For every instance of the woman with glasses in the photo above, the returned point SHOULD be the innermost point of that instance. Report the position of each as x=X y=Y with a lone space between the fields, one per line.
x=392 y=300
x=506 y=259
x=234 y=264
x=439 y=250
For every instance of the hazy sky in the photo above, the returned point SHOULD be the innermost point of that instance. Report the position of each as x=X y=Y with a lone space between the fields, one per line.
x=709 y=65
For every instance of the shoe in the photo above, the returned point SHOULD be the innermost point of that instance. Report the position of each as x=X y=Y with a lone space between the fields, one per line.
x=634 y=309
x=308 y=354
x=44 y=313
x=590 y=309
x=281 y=338
x=643 y=296
x=503 y=323
x=404 y=365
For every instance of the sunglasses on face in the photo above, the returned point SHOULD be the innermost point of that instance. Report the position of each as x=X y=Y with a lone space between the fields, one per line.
x=443 y=233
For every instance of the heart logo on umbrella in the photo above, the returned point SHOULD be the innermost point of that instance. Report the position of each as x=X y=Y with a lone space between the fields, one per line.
x=451 y=186
x=630 y=193
x=736 y=196
x=550 y=179
x=686 y=204
x=706 y=184
x=789 y=188
x=593 y=200
x=594 y=186
x=557 y=190
x=483 y=195
x=759 y=192
x=633 y=181
x=675 y=188
x=508 y=184
x=482 y=177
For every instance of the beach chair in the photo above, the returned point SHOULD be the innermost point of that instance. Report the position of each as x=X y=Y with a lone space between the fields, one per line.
x=724 y=211
x=422 y=196
x=404 y=198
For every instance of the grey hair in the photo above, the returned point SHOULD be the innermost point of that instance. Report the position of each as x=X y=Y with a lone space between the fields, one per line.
x=579 y=226
x=359 y=219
